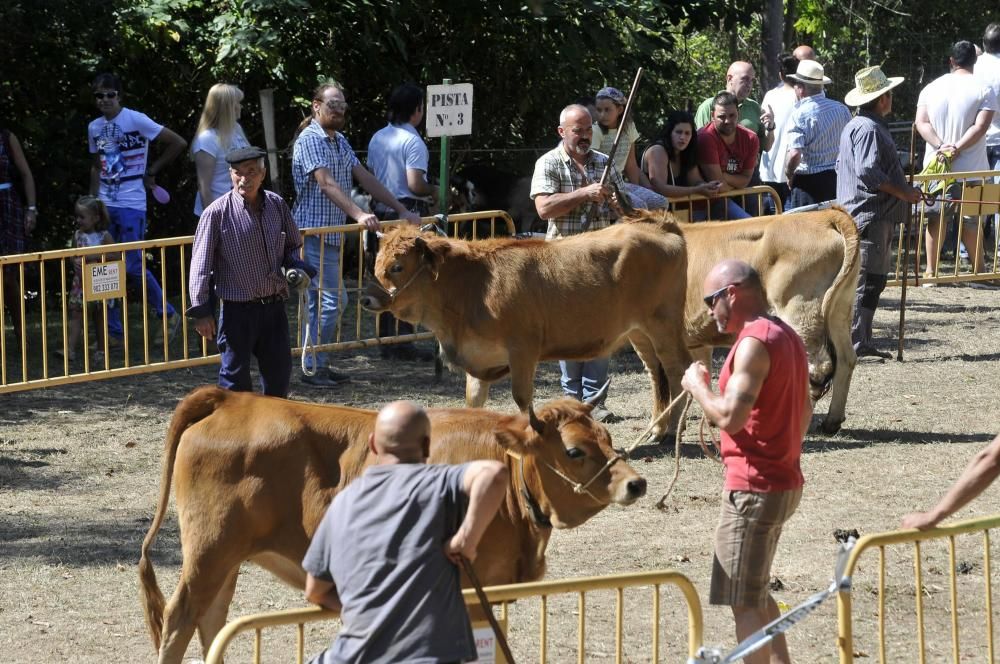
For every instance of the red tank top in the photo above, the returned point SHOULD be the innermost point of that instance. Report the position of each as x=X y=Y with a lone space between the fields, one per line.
x=764 y=455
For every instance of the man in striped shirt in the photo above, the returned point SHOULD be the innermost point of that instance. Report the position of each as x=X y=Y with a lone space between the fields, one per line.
x=872 y=187
x=244 y=238
x=813 y=137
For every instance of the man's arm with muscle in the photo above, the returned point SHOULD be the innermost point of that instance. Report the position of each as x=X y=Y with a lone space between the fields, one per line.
x=731 y=410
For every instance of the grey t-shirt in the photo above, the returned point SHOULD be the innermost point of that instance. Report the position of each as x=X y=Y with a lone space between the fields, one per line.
x=382 y=543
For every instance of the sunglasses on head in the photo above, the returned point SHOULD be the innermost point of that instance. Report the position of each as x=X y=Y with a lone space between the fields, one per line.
x=106 y=95
x=713 y=297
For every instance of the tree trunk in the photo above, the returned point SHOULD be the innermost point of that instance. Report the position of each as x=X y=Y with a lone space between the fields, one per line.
x=771 y=31
x=789 y=23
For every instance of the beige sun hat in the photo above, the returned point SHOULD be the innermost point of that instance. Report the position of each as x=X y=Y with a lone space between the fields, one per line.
x=810 y=71
x=870 y=83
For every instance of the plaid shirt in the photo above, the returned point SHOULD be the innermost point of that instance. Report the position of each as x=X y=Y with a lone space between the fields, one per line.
x=239 y=254
x=556 y=173
x=315 y=149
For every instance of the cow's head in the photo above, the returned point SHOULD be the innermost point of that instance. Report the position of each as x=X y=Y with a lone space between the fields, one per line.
x=405 y=256
x=569 y=468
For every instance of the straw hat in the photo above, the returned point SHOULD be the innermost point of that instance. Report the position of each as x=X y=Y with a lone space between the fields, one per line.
x=870 y=84
x=810 y=71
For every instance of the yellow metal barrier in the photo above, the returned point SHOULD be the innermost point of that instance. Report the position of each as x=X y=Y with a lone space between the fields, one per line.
x=978 y=201
x=40 y=354
x=921 y=593
x=503 y=595
x=691 y=203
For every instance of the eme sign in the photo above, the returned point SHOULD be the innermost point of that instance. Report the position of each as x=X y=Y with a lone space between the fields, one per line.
x=102 y=281
x=449 y=110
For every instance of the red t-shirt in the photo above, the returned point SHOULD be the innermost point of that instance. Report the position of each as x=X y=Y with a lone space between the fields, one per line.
x=734 y=158
x=764 y=455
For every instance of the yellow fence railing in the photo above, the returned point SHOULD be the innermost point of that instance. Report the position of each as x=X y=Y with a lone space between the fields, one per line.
x=960 y=226
x=716 y=208
x=644 y=646
x=900 y=635
x=36 y=333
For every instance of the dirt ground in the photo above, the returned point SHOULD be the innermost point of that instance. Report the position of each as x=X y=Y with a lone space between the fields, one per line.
x=79 y=474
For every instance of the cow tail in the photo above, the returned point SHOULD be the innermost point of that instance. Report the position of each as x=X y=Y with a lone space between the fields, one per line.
x=847 y=278
x=195 y=407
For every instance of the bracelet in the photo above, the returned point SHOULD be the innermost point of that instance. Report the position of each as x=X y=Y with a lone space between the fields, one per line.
x=769 y=127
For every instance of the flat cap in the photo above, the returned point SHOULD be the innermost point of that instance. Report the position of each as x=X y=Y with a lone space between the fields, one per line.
x=245 y=154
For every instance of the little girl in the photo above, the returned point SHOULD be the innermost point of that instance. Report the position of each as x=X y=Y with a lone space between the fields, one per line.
x=92 y=223
x=610 y=108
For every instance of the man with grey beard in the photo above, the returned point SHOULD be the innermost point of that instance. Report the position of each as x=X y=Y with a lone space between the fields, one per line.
x=568 y=193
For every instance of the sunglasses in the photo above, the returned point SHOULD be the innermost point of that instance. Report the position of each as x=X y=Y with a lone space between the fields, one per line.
x=337 y=105
x=713 y=297
x=106 y=95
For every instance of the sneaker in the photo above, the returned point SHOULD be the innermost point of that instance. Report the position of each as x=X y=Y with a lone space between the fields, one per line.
x=407 y=352
x=602 y=414
x=321 y=378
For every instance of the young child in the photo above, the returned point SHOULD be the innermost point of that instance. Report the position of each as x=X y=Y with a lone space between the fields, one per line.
x=610 y=108
x=92 y=223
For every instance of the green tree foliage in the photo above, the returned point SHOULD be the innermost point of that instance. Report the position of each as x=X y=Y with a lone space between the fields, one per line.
x=527 y=58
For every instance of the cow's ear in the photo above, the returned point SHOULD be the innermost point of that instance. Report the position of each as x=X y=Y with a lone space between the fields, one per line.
x=511 y=433
x=430 y=254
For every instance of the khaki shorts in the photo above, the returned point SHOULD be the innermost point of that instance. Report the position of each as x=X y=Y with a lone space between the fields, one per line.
x=745 y=541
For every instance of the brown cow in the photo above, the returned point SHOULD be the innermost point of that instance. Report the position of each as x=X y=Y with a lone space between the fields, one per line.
x=254 y=475
x=808 y=264
x=501 y=306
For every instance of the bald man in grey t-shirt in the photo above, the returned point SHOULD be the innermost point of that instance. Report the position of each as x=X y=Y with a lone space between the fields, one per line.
x=385 y=553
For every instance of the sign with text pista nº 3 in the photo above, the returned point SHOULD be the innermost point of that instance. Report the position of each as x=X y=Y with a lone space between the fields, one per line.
x=449 y=110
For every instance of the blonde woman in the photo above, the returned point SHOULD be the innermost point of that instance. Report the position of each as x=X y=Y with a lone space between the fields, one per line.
x=219 y=132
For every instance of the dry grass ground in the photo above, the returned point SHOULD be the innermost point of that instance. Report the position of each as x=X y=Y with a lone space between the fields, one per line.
x=79 y=474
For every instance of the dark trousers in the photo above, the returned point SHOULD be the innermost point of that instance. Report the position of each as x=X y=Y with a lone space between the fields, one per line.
x=260 y=330
x=813 y=188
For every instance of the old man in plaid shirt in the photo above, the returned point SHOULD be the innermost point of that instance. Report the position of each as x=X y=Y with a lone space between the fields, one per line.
x=567 y=191
x=243 y=241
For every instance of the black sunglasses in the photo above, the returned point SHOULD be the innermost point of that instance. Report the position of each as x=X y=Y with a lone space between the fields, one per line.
x=106 y=95
x=713 y=297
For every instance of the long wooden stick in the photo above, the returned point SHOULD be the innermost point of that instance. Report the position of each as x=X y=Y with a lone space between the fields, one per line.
x=621 y=127
x=906 y=256
x=485 y=603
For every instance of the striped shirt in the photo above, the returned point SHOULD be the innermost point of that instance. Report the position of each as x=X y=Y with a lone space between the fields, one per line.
x=557 y=173
x=314 y=149
x=241 y=254
x=814 y=130
x=868 y=159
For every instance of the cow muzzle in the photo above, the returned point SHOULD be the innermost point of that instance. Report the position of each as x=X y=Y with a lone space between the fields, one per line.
x=376 y=298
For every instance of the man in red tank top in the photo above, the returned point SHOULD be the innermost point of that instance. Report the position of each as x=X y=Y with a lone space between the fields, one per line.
x=763 y=410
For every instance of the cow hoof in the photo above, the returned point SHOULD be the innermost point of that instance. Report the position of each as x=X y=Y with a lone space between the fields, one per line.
x=831 y=426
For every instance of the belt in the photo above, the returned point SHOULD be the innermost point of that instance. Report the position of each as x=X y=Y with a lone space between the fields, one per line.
x=270 y=299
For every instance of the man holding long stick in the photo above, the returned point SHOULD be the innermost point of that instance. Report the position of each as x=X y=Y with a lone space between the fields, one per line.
x=872 y=187
x=568 y=193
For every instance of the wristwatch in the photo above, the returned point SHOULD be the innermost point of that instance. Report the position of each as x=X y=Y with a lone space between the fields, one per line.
x=31 y=208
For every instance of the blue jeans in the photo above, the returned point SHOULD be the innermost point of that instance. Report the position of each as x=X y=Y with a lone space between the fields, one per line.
x=581 y=380
x=128 y=225
x=328 y=304
x=720 y=211
x=246 y=330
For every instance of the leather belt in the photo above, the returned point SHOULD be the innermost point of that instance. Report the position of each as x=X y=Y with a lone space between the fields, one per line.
x=270 y=299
